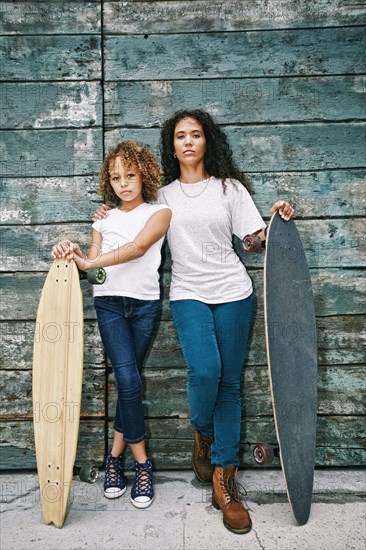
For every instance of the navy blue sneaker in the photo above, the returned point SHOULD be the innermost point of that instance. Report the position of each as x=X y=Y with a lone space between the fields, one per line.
x=142 y=492
x=114 y=481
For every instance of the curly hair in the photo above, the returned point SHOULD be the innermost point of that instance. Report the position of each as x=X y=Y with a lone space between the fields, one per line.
x=133 y=155
x=218 y=159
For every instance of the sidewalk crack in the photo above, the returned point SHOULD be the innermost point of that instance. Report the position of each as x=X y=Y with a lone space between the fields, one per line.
x=256 y=536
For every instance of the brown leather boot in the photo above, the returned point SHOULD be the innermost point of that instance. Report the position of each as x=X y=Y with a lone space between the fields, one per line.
x=201 y=458
x=225 y=496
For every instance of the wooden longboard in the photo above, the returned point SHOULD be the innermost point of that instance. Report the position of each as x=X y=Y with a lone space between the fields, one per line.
x=57 y=382
x=292 y=359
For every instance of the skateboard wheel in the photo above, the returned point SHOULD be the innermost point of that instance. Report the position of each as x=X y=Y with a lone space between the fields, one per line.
x=252 y=243
x=89 y=473
x=96 y=276
x=263 y=454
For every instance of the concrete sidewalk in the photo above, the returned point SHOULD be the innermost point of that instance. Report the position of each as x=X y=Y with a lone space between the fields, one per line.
x=182 y=517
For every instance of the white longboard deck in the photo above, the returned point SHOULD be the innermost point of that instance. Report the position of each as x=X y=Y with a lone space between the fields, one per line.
x=57 y=384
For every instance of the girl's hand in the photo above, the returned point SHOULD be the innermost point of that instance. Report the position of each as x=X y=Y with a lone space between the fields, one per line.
x=63 y=248
x=284 y=209
x=82 y=263
x=101 y=212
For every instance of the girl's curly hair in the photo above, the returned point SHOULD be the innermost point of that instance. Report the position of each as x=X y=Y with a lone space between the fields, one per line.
x=133 y=155
x=218 y=156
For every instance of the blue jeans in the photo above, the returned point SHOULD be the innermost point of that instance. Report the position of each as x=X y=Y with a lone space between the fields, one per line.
x=126 y=327
x=214 y=339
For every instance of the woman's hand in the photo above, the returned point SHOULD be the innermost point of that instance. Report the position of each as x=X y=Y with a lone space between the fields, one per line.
x=284 y=209
x=101 y=212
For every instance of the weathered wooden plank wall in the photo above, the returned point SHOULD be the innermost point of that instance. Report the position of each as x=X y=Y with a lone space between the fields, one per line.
x=52 y=147
x=286 y=80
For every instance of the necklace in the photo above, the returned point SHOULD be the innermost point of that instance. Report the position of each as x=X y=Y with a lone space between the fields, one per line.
x=200 y=193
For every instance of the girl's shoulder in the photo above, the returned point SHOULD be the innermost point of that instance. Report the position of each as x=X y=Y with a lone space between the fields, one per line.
x=156 y=206
x=99 y=225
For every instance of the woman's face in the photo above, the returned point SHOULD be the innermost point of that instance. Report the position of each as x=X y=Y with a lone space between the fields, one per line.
x=189 y=141
x=126 y=181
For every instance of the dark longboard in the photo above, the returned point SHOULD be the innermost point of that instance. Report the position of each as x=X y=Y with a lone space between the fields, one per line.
x=292 y=359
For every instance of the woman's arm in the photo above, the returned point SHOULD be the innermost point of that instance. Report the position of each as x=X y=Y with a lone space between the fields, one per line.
x=154 y=229
x=284 y=209
x=101 y=212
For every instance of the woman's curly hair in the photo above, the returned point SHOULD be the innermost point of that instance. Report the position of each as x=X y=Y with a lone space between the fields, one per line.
x=133 y=155
x=218 y=156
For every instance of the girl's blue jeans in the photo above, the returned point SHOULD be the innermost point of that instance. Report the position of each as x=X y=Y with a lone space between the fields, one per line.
x=214 y=339
x=126 y=327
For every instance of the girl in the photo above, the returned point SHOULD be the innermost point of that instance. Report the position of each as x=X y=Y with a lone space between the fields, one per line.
x=211 y=294
x=128 y=244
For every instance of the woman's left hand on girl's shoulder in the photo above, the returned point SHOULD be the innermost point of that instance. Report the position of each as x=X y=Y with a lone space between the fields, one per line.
x=284 y=209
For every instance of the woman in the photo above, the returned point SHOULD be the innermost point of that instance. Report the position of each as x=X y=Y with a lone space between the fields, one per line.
x=211 y=294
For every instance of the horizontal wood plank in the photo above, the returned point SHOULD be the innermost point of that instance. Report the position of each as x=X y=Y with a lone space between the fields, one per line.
x=327 y=243
x=50 y=17
x=49 y=200
x=17 y=450
x=50 y=105
x=16 y=345
x=341 y=340
x=336 y=292
x=54 y=57
x=16 y=389
x=313 y=194
x=278 y=148
x=237 y=101
x=47 y=153
x=25 y=292
x=169 y=453
x=65 y=199
x=235 y=55
x=341 y=391
x=198 y=16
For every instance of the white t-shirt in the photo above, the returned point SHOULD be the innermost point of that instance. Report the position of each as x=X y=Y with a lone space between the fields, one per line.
x=138 y=278
x=205 y=266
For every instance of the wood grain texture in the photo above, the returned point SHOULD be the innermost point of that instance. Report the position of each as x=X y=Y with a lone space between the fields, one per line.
x=18 y=449
x=54 y=57
x=278 y=148
x=341 y=391
x=51 y=200
x=50 y=17
x=16 y=347
x=343 y=445
x=341 y=340
x=235 y=55
x=286 y=81
x=198 y=16
x=51 y=153
x=327 y=243
x=35 y=105
x=336 y=292
x=16 y=388
x=237 y=101
x=56 y=386
x=28 y=288
x=64 y=199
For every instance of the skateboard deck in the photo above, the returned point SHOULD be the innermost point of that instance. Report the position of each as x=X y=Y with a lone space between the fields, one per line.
x=290 y=329
x=57 y=383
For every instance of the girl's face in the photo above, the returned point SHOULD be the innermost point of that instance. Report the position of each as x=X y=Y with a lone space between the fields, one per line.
x=189 y=141
x=126 y=182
